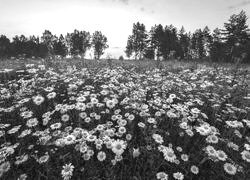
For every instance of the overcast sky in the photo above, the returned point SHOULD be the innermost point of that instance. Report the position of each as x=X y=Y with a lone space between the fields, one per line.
x=113 y=17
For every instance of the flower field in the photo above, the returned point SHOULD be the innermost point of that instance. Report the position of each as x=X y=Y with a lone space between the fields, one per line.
x=122 y=123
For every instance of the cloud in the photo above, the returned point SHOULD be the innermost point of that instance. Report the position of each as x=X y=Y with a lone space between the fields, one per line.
x=124 y=1
x=142 y=9
x=243 y=3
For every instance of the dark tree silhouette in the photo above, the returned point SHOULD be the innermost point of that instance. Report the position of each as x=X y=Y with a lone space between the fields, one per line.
x=137 y=41
x=236 y=35
x=80 y=41
x=59 y=47
x=4 y=47
x=99 y=43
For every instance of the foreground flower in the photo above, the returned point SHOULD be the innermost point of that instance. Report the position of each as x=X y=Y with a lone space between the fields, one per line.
x=158 y=138
x=178 y=176
x=118 y=147
x=203 y=130
x=70 y=139
x=65 y=117
x=110 y=104
x=168 y=153
x=43 y=159
x=51 y=95
x=211 y=151
x=162 y=176
x=101 y=156
x=32 y=122
x=67 y=171
x=38 y=100
x=221 y=155
x=212 y=139
x=246 y=155
x=230 y=168
x=194 y=169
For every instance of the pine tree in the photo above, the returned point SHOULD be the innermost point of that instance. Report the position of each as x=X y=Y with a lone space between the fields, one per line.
x=48 y=40
x=4 y=46
x=156 y=37
x=183 y=43
x=207 y=40
x=137 y=41
x=236 y=35
x=129 y=47
x=197 y=44
x=216 y=46
x=59 y=47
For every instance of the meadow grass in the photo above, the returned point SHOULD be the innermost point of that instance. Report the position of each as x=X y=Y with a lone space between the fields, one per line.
x=122 y=120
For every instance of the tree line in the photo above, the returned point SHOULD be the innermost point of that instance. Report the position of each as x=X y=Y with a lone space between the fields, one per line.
x=48 y=45
x=222 y=45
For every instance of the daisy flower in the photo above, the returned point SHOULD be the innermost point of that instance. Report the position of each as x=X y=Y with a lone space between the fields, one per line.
x=211 y=151
x=101 y=156
x=122 y=130
x=83 y=148
x=230 y=168
x=25 y=133
x=172 y=96
x=67 y=171
x=221 y=155
x=81 y=99
x=128 y=137
x=131 y=117
x=49 y=89
x=86 y=157
x=65 y=118
x=245 y=155
x=178 y=176
x=118 y=146
x=212 y=139
x=26 y=114
x=158 y=138
x=203 y=130
x=56 y=126
x=14 y=129
x=38 y=100
x=83 y=115
x=162 y=176
x=32 y=122
x=43 y=159
x=141 y=124
x=51 y=95
x=168 y=153
x=194 y=169
x=195 y=110
x=70 y=139
x=151 y=120
x=184 y=157
x=110 y=104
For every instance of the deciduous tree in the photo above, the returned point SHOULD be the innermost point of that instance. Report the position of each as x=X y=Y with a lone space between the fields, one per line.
x=99 y=43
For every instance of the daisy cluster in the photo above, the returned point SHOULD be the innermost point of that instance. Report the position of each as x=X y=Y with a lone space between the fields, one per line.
x=119 y=123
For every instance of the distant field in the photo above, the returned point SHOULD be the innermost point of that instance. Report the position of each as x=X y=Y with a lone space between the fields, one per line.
x=19 y=64
x=124 y=120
